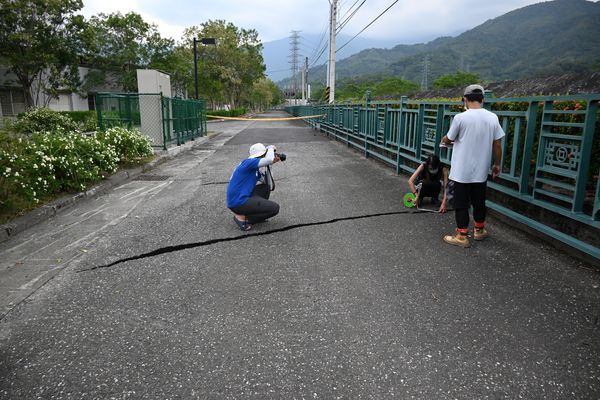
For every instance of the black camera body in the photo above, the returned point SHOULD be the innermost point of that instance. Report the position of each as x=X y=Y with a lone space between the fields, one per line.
x=281 y=156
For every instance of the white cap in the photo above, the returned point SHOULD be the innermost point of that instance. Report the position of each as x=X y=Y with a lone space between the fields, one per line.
x=257 y=150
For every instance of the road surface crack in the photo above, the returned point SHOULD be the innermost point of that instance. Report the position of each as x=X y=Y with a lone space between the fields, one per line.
x=186 y=246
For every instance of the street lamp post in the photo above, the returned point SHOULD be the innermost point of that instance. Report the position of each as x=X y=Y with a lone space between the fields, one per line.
x=204 y=41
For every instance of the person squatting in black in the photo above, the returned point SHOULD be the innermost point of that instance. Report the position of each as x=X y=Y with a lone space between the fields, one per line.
x=425 y=182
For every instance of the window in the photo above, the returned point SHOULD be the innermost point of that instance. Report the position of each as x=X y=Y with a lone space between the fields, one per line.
x=12 y=101
x=91 y=101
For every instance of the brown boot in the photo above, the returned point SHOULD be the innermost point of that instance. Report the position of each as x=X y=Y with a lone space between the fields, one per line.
x=458 y=239
x=480 y=233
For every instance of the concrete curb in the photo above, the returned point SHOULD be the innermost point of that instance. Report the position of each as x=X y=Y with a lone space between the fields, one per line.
x=53 y=208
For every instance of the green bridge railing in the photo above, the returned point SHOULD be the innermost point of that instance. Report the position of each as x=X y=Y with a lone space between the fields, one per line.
x=164 y=120
x=550 y=161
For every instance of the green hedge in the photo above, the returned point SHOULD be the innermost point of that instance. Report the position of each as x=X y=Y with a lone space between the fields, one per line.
x=88 y=120
x=44 y=119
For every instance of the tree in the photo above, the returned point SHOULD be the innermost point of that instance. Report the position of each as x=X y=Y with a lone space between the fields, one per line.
x=120 y=44
x=458 y=79
x=228 y=70
x=264 y=94
x=394 y=87
x=39 y=42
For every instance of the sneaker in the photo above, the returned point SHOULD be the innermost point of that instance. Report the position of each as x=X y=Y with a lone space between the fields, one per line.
x=480 y=233
x=458 y=239
x=243 y=225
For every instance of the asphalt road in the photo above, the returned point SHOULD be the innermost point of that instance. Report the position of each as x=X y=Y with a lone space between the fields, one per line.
x=152 y=292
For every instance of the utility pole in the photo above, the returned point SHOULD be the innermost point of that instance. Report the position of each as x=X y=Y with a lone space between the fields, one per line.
x=195 y=68
x=305 y=80
x=331 y=64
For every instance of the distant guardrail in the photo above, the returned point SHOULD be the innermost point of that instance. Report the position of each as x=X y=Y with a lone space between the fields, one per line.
x=550 y=160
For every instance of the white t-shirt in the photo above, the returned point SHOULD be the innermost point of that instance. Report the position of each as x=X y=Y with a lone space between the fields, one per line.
x=473 y=133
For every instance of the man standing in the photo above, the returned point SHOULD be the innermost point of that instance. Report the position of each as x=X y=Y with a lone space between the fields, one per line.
x=475 y=135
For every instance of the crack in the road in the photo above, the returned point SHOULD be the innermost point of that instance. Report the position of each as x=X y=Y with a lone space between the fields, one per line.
x=179 y=247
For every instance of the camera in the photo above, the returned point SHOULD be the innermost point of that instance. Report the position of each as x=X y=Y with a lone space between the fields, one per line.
x=281 y=156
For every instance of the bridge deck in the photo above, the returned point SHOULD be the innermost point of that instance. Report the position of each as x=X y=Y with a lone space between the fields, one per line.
x=367 y=307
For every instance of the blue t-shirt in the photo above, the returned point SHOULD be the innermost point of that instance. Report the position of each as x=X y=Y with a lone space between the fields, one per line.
x=242 y=182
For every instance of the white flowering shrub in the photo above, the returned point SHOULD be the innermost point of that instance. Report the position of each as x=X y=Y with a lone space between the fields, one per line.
x=32 y=166
x=50 y=163
x=131 y=145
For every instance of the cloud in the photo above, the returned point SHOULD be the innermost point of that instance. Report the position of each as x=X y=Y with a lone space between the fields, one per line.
x=406 y=21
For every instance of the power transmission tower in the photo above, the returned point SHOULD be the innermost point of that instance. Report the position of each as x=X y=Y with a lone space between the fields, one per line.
x=331 y=64
x=294 y=47
x=425 y=78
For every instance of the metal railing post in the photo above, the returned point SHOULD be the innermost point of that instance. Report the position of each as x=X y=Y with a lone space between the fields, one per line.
x=99 y=106
x=587 y=142
x=401 y=133
x=531 y=120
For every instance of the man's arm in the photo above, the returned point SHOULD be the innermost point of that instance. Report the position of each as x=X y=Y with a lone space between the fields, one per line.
x=269 y=158
x=497 y=156
x=452 y=133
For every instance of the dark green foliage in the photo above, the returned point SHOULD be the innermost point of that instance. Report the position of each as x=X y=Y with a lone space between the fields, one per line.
x=45 y=120
x=354 y=89
x=39 y=41
x=229 y=69
x=41 y=120
x=457 y=79
x=117 y=45
x=87 y=120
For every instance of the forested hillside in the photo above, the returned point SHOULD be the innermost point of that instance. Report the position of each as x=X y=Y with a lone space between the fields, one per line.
x=555 y=37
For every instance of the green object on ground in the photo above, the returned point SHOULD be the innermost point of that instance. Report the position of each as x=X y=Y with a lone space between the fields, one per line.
x=409 y=200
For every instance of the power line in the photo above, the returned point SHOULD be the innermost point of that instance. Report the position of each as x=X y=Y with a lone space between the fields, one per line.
x=318 y=46
x=320 y=54
x=277 y=70
x=349 y=9
x=370 y=23
x=345 y=22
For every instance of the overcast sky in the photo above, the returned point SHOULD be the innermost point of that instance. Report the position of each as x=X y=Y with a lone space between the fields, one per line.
x=408 y=21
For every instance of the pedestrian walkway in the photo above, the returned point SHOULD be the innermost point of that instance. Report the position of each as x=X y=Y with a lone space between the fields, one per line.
x=344 y=294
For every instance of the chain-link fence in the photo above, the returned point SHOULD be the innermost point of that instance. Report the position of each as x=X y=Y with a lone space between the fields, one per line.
x=164 y=120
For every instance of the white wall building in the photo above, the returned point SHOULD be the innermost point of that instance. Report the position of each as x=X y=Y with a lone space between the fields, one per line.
x=12 y=99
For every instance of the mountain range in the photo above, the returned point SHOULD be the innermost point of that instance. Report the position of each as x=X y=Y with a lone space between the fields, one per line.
x=554 y=37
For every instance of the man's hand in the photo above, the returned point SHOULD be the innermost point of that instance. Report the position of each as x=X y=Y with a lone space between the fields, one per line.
x=495 y=171
x=276 y=159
